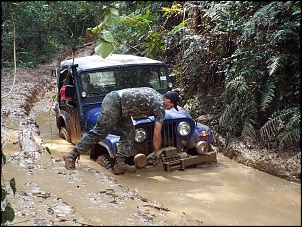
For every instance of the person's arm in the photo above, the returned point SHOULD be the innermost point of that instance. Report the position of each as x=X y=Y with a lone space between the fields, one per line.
x=157 y=136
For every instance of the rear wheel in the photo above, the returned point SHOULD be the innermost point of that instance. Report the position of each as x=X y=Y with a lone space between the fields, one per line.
x=105 y=161
x=64 y=134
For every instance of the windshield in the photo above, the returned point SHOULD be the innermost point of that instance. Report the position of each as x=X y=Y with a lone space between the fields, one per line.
x=101 y=83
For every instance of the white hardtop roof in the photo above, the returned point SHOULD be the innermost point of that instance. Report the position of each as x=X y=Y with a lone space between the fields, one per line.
x=96 y=61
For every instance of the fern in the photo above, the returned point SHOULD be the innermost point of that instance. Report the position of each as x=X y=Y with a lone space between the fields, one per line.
x=268 y=95
x=248 y=131
x=219 y=12
x=238 y=85
x=226 y=116
x=288 y=138
x=276 y=63
x=285 y=126
x=261 y=20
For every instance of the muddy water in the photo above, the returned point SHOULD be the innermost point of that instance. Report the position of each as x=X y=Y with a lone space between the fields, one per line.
x=222 y=193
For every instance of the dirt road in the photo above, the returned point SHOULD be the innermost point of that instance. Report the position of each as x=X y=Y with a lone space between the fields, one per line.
x=222 y=193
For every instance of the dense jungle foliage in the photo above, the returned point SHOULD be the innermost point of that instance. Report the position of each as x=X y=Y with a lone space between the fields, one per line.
x=237 y=61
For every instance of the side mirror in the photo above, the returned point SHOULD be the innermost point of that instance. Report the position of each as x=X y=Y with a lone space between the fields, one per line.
x=69 y=91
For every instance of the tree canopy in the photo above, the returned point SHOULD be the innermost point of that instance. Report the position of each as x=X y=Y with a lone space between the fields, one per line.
x=238 y=61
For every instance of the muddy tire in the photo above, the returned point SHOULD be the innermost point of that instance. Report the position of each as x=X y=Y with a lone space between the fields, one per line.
x=64 y=134
x=105 y=161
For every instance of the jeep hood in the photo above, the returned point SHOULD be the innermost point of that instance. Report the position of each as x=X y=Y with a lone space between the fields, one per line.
x=92 y=115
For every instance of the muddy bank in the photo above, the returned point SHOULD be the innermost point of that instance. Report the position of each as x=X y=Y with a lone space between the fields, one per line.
x=285 y=164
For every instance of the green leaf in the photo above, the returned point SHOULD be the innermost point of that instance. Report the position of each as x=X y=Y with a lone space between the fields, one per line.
x=54 y=97
x=106 y=36
x=146 y=16
x=111 y=17
x=12 y=184
x=178 y=27
x=98 y=28
x=7 y=215
x=47 y=149
x=3 y=194
x=103 y=48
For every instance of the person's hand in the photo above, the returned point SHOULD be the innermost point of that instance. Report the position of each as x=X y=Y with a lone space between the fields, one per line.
x=154 y=157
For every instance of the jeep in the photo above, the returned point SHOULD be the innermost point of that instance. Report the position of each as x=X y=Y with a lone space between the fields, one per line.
x=82 y=84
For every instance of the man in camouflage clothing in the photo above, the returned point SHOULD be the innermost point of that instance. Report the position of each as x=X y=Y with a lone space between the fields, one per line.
x=117 y=109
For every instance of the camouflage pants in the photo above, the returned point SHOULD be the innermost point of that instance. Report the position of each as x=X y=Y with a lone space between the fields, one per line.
x=110 y=117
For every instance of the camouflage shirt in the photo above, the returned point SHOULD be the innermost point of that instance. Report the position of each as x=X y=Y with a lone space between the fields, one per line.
x=142 y=102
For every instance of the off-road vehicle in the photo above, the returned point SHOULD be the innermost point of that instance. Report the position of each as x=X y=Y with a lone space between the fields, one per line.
x=82 y=84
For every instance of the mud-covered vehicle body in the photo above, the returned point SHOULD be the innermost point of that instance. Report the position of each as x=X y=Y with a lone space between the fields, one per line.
x=82 y=84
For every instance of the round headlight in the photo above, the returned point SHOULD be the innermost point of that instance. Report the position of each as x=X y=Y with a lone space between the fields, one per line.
x=183 y=128
x=84 y=94
x=140 y=135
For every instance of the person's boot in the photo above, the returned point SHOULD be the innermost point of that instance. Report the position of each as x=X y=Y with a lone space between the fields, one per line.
x=122 y=167
x=70 y=159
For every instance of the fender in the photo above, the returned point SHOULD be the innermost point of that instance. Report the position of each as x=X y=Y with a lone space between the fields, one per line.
x=203 y=133
x=110 y=143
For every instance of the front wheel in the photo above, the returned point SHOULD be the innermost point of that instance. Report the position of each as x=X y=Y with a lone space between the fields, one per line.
x=105 y=161
x=64 y=134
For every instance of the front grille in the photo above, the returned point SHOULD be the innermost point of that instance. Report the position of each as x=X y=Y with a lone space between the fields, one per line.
x=167 y=133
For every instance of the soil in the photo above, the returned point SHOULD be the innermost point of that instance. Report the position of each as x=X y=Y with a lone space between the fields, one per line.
x=20 y=131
